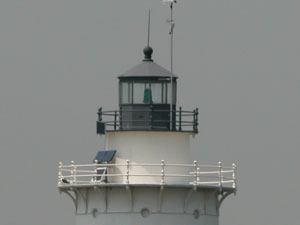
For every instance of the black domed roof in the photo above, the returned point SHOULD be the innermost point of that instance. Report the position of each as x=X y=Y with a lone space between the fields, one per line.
x=147 y=68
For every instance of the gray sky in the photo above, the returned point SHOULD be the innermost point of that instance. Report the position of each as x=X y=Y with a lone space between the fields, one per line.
x=238 y=62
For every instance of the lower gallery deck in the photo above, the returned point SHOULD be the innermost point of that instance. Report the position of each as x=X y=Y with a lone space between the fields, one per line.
x=146 y=204
x=161 y=193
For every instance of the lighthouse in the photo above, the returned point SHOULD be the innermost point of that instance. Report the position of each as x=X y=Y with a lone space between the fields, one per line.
x=145 y=173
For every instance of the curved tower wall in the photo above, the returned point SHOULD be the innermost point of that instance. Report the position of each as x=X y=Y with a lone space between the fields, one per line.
x=150 y=147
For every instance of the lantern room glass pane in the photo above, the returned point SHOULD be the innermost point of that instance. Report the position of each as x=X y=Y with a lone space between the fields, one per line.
x=169 y=96
x=147 y=92
x=124 y=89
x=157 y=97
x=125 y=92
x=138 y=93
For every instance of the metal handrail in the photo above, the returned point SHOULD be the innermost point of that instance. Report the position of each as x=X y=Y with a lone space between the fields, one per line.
x=180 y=125
x=194 y=174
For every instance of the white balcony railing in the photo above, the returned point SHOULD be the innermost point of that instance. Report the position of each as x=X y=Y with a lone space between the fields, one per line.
x=133 y=173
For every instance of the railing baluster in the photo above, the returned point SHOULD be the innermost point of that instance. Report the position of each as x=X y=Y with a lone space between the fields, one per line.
x=198 y=175
x=60 y=173
x=73 y=173
x=115 y=124
x=180 y=109
x=151 y=117
x=95 y=177
x=195 y=173
x=127 y=172
x=196 y=121
x=100 y=114
x=120 y=119
x=162 y=172
x=234 y=176
x=220 y=176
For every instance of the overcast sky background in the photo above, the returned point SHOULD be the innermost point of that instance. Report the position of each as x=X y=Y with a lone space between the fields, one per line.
x=238 y=61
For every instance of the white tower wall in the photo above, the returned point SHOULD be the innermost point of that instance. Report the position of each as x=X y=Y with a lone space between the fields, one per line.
x=149 y=147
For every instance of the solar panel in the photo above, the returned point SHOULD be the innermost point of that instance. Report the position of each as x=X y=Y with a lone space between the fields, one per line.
x=99 y=157
x=105 y=156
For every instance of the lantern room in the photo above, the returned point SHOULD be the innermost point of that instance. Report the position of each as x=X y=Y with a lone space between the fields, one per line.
x=146 y=93
x=147 y=102
x=146 y=84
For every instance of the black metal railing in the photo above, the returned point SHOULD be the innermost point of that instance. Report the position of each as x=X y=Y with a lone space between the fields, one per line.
x=147 y=119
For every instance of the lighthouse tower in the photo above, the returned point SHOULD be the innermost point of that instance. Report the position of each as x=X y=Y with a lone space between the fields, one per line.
x=145 y=173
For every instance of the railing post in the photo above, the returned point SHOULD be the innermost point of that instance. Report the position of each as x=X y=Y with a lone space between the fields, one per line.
x=195 y=173
x=127 y=172
x=73 y=173
x=59 y=173
x=195 y=126
x=197 y=113
x=115 y=124
x=194 y=118
x=100 y=114
x=151 y=117
x=120 y=118
x=220 y=176
x=180 y=129
x=234 y=177
x=95 y=177
x=162 y=182
x=198 y=175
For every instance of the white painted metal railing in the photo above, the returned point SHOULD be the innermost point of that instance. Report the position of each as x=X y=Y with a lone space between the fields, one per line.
x=181 y=174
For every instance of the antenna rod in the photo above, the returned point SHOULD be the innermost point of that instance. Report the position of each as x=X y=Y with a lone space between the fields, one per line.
x=171 y=35
x=148 y=27
x=172 y=97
